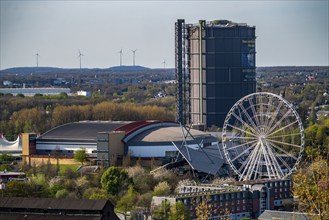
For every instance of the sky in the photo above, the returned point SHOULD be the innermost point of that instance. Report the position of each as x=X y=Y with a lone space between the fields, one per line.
x=289 y=33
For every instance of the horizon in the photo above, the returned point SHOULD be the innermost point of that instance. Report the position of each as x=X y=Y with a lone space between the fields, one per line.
x=123 y=66
x=51 y=34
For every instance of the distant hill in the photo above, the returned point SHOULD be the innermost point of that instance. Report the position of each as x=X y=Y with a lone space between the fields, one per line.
x=28 y=70
x=291 y=68
x=41 y=70
x=128 y=68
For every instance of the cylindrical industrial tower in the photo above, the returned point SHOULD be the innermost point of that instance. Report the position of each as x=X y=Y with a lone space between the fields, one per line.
x=221 y=67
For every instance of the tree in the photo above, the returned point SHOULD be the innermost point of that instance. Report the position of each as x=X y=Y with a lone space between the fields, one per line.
x=115 y=180
x=167 y=175
x=5 y=167
x=317 y=138
x=80 y=155
x=311 y=187
x=82 y=184
x=95 y=193
x=55 y=185
x=126 y=160
x=162 y=211
x=179 y=212
x=56 y=153
x=162 y=189
x=144 y=202
x=143 y=181
x=61 y=194
x=203 y=207
x=20 y=95
x=63 y=95
x=127 y=202
x=6 y=158
x=18 y=189
x=39 y=184
x=49 y=169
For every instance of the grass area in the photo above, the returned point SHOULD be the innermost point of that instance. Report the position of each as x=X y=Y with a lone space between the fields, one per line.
x=64 y=167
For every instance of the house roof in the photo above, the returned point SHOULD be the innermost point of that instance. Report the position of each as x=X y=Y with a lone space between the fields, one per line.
x=32 y=216
x=53 y=204
x=13 y=208
x=271 y=215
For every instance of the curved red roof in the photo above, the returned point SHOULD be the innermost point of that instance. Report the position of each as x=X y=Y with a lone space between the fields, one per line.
x=131 y=127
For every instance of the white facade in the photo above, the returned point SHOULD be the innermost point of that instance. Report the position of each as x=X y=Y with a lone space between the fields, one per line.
x=84 y=93
x=67 y=146
x=150 y=151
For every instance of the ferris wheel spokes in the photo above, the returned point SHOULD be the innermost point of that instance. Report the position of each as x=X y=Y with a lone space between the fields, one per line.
x=244 y=123
x=244 y=152
x=243 y=144
x=280 y=149
x=267 y=137
x=250 y=161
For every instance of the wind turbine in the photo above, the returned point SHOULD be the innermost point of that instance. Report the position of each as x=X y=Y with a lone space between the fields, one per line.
x=121 y=54
x=134 y=51
x=79 y=56
x=164 y=64
x=37 y=59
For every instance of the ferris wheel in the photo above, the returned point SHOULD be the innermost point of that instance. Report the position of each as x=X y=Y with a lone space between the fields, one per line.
x=263 y=137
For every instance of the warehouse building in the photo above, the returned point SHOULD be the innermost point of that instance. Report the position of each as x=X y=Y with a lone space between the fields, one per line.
x=215 y=67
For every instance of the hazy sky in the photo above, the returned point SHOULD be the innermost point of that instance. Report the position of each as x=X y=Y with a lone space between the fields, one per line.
x=288 y=32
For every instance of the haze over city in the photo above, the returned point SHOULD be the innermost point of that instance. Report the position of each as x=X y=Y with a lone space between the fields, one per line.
x=289 y=33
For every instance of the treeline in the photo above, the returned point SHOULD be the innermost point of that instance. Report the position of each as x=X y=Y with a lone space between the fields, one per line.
x=305 y=98
x=10 y=104
x=317 y=139
x=40 y=119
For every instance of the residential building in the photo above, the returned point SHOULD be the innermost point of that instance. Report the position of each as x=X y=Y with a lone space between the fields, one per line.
x=235 y=200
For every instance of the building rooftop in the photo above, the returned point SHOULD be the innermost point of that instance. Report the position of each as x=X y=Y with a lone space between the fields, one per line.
x=33 y=216
x=131 y=127
x=9 y=173
x=271 y=215
x=54 y=204
x=224 y=23
x=206 y=189
x=207 y=159
x=13 y=208
x=83 y=130
x=168 y=132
